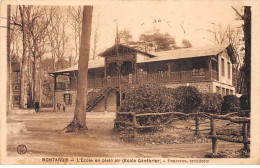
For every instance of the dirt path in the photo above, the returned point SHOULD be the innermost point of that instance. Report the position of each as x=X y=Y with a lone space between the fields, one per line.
x=43 y=138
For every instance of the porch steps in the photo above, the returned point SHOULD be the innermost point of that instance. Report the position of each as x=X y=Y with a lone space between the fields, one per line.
x=100 y=95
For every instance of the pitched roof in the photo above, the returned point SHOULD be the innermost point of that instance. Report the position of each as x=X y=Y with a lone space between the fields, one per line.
x=186 y=53
x=99 y=62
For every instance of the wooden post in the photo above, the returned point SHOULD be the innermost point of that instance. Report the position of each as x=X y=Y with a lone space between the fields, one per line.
x=210 y=69
x=196 y=125
x=245 y=137
x=105 y=74
x=135 y=77
x=169 y=72
x=213 y=133
x=134 y=125
x=55 y=87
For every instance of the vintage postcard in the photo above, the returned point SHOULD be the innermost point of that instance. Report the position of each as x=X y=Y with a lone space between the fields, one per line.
x=129 y=82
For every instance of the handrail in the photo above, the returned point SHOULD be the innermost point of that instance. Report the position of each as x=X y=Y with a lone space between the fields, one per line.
x=162 y=77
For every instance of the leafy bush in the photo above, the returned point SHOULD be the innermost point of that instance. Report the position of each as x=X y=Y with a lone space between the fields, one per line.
x=150 y=98
x=230 y=104
x=211 y=102
x=188 y=99
x=245 y=102
x=245 y=105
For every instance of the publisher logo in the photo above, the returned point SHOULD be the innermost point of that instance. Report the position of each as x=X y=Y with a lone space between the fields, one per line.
x=21 y=149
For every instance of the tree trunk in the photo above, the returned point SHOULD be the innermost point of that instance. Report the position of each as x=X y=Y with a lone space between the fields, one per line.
x=9 y=69
x=40 y=82
x=79 y=119
x=29 y=99
x=33 y=80
x=247 y=36
x=23 y=69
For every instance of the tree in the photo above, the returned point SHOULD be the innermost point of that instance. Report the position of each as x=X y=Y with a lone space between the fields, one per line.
x=186 y=43
x=125 y=36
x=23 y=69
x=233 y=36
x=246 y=67
x=161 y=41
x=75 y=19
x=247 y=34
x=9 y=69
x=37 y=42
x=79 y=119
x=96 y=38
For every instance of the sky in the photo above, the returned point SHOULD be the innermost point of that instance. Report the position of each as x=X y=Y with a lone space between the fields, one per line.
x=179 y=19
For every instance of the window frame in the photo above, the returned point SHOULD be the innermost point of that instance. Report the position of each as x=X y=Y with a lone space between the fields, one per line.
x=222 y=67
x=229 y=70
x=67 y=101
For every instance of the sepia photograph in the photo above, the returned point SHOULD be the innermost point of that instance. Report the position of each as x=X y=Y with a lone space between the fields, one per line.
x=129 y=82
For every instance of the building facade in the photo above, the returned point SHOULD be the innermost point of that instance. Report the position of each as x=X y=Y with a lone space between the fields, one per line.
x=120 y=68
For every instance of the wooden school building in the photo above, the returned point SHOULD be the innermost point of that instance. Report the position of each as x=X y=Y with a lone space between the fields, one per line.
x=120 y=68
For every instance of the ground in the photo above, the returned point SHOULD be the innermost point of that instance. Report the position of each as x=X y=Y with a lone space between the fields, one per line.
x=41 y=133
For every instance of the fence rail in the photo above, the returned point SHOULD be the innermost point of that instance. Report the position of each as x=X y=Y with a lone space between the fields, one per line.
x=132 y=124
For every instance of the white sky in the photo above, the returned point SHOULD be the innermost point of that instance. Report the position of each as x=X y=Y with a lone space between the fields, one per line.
x=139 y=17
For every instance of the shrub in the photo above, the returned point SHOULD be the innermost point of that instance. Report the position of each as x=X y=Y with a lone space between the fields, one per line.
x=230 y=104
x=245 y=105
x=211 y=102
x=150 y=98
x=245 y=102
x=188 y=99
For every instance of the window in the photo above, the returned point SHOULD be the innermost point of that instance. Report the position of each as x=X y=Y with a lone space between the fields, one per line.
x=229 y=73
x=223 y=92
x=227 y=91
x=222 y=67
x=67 y=98
x=218 y=90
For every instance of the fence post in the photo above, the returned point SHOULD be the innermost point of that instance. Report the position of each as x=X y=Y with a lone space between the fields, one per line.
x=245 y=137
x=134 y=125
x=196 y=125
x=213 y=134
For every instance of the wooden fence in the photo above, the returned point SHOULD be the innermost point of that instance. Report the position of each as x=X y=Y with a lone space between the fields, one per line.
x=133 y=125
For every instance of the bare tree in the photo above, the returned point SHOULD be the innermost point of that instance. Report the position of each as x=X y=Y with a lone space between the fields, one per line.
x=79 y=119
x=37 y=33
x=9 y=68
x=75 y=15
x=23 y=69
x=96 y=38
x=233 y=36
x=57 y=35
